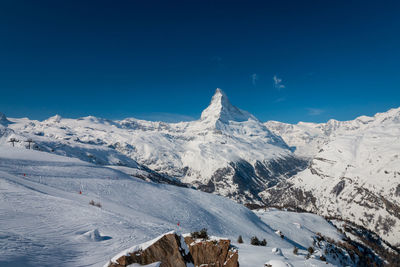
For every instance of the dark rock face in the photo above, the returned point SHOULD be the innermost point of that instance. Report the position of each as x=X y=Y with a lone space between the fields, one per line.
x=208 y=188
x=245 y=177
x=159 y=178
x=212 y=253
x=373 y=246
x=167 y=250
x=249 y=180
x=338 y=188
x=286 y=195
x=381 y=215
x=170 y=251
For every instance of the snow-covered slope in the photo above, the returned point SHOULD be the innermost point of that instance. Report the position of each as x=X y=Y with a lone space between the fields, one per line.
x=227 y=151
x=355 y=175
x=353 y=164
x=45 y=221
x=304 y=138
x=307 y=138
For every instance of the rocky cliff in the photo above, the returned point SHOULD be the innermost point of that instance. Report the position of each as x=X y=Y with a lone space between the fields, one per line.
x=172 y=250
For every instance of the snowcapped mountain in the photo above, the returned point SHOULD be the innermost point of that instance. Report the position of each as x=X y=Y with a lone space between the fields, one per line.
x=304 y=138
x=347 y=170
x=222 y=111
x=47 y=219
x=307 y=138
x=227 y=151
x=354 y=175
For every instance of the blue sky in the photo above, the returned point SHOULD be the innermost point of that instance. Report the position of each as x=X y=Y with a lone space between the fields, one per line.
x=162 y=60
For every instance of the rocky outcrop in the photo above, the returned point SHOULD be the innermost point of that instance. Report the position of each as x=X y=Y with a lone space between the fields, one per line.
x=167 y=249
x=218 y=253
x=172 y=250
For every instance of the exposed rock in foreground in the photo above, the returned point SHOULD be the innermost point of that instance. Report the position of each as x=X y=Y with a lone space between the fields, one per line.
x=218 y=253
x=172 y=250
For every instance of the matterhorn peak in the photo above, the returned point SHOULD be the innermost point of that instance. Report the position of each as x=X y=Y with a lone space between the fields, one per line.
x=220 y=96
x=220 y=109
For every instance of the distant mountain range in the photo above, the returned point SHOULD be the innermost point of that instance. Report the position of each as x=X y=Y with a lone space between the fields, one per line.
x=345 y=169
x=354 y=173
x=227 y=151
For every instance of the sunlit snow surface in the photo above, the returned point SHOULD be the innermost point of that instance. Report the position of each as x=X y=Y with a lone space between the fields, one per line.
x=192 y=151
x=355 y=169
x=46 y=221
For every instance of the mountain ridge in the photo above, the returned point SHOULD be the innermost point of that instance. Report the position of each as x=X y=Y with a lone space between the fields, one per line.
x=220 y=109
x=227 y=151
x=231 y=153
x=352 y=175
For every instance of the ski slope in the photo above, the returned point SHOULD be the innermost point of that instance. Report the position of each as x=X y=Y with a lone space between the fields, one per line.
x=47 y=222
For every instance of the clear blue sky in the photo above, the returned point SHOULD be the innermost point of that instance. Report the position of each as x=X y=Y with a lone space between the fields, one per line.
x=164 y=59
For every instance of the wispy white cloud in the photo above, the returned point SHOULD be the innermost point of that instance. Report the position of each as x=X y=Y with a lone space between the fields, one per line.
x=254 y=78
x=315 y=111
x=281 y=99
x=278 y=83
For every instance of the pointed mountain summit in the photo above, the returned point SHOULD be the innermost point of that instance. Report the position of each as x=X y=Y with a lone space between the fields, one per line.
x=220 y=109
x=3 y=120
x=227 y=152
x=54 y=119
